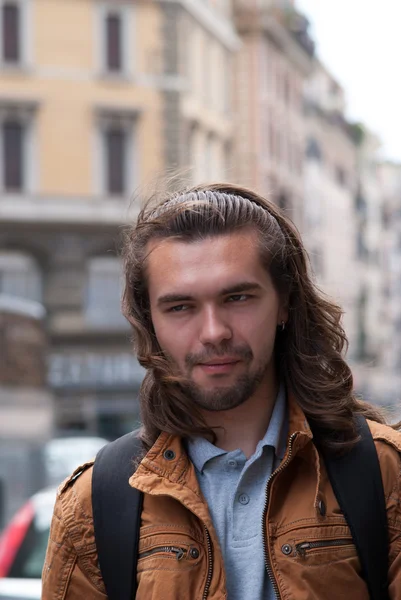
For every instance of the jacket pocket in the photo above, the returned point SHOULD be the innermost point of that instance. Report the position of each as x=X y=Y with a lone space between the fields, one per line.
x=174 y=550
x=171 y=565
x=318 y=561
x=317 y=545
x=305 y=548
x=179 y=552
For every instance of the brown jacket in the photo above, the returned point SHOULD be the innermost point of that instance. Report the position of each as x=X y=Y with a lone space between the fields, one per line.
x=301 y=508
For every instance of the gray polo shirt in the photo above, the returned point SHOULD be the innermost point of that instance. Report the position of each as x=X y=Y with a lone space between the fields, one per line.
x=235 y=491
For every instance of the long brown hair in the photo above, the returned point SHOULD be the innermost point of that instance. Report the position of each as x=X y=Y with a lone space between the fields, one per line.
x=309 y=354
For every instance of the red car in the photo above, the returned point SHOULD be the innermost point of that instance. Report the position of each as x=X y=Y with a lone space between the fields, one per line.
x=23 y=547
x=24 y=541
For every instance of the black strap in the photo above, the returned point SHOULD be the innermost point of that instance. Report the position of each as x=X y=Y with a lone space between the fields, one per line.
x=357 y=483
x=117 y=511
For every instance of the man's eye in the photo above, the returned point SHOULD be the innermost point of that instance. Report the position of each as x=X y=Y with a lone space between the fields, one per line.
x=238 y=298
x=178 y=308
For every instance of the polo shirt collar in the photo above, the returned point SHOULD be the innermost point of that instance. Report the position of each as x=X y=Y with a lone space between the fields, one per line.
x=200 y=450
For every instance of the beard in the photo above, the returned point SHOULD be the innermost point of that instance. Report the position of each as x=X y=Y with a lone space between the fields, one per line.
x=224 y=397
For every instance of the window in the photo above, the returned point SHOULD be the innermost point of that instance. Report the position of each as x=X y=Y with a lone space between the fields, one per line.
x=114 y=152
x=11 y=32
x=15 y=33
x=341 y=176
x=283 y=201
x=13 y=152
x=313 y=150
x=116 y=159
x=114 y=39
x=17 y=157
x=113 y=42
x=20 y=276
x=103 y=298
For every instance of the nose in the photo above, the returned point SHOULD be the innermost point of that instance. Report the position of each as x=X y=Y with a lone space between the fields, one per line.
x=214 y=328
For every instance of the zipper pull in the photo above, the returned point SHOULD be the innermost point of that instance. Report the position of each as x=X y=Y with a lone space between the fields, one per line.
x=179 y=552
x=302 y=548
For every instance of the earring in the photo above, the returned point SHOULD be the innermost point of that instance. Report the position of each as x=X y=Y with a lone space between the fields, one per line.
x=282 y=325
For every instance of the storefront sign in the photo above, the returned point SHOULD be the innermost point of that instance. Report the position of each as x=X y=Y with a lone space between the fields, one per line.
x=92 y=370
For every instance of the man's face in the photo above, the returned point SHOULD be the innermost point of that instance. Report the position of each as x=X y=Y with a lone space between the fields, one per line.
x=215 y=313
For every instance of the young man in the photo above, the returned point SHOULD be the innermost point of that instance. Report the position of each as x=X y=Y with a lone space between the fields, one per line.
x=243 y=355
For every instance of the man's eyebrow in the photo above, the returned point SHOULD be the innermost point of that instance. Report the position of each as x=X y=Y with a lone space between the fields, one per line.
x=245 y=286
x=169 y=298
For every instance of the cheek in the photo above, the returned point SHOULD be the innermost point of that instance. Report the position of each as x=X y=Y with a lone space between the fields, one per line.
x=172 y=342
x=162 y=332
x=259 y=327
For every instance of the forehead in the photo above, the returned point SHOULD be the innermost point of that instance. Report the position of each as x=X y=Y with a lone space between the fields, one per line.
x=205 y=266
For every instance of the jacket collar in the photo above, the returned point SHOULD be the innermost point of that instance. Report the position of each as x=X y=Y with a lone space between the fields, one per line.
x=168 y=461
x=297 y=423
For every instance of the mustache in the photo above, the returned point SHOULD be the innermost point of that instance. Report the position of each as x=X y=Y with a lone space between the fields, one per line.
x=241 y=351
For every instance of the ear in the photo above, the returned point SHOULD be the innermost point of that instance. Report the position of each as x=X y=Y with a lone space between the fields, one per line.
x=284 y=315
x=283 y=311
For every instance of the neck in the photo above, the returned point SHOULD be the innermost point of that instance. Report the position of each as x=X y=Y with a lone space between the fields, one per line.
x=244 y=426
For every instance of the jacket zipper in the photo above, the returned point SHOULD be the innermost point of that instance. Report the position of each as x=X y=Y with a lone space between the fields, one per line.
x=179 y=552
x=209 y=565
x=302 y=548
x=264 y=532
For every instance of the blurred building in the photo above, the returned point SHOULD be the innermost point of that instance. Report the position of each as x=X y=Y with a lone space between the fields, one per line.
x=330 y=221
x=371 y=373
x=343 y=225
x=203 y=44
x=26 y=405
x=275 y=58
x=390 y=176
x=370 y=243
x=97 y=99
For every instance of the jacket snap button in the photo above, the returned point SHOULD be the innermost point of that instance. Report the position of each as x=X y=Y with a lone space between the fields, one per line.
x=169 y=455
x=194 y=553
x=286 y=549
x=322 y=508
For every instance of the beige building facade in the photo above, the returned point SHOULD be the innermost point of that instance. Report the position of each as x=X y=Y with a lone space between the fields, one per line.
x=200 y=44
x=98 y=99
x=271 y=67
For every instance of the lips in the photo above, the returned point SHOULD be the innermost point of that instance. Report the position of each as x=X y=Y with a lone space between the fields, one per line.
x=220 y=361
x=219 y=366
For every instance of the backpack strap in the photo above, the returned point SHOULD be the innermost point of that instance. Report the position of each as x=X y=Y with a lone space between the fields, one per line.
x=357 y=484
x=355 y=477
x=117 y=511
